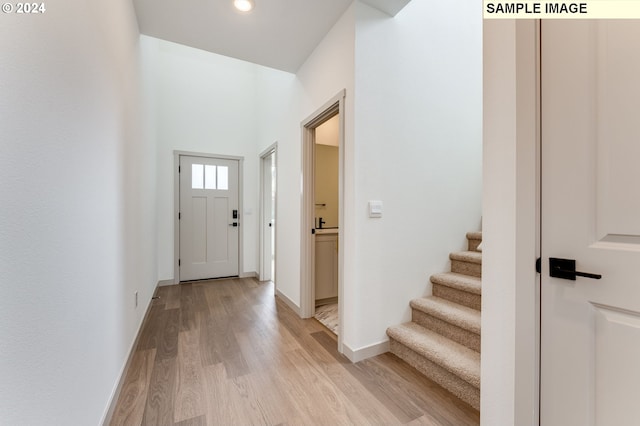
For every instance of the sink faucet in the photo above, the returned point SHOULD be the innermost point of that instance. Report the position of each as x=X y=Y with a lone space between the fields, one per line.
x=320 y=223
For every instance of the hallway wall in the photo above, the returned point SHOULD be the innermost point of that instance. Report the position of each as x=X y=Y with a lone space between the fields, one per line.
x=418 y=149
x=77 y=223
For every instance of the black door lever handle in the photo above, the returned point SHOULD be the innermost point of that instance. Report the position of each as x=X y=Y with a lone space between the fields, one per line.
x=566 y=269
x=580 y=274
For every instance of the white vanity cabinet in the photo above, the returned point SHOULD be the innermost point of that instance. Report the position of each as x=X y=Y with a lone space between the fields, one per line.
x=326 y=266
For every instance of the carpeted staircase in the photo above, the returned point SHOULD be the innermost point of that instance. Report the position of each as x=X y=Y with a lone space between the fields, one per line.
x=443 y=339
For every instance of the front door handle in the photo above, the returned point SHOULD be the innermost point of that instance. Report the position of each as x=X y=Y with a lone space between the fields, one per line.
x=234 y=224
x=566 y=269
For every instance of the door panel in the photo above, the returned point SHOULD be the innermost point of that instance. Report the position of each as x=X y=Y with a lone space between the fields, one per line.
x=208 y=196
x=617 y=345
x=199 y=223
x=590 y=331
x=618 y=141
x=221 y=221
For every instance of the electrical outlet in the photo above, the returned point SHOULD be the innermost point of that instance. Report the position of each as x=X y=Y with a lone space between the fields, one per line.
x=135 y=295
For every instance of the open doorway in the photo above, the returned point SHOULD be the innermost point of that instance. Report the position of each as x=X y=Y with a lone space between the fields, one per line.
x=268 y=196
x=327 y=223
x=322 y=214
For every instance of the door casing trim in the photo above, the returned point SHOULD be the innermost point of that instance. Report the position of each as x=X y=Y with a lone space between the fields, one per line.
x=510 y=223
x=272 y=149
x=335 y=106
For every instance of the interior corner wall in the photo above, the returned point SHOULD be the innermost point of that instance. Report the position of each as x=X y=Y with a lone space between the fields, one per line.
x=208 y=103
x=77 y=224
x=418 y=149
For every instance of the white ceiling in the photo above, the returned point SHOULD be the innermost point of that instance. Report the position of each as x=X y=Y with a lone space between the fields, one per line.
x=279 y=34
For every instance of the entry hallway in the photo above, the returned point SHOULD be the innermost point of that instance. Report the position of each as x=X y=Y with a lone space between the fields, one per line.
x=227 y=352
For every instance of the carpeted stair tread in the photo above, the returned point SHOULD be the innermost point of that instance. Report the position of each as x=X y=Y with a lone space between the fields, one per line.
x=467 y=256
x=474 y=239
x=458 y=387
x=474 y=235
x=458 y=281
x=452 y=356
x=450 y=312
x=443 y=339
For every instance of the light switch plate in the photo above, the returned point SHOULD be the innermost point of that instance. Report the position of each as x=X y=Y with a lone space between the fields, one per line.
x=375 y=209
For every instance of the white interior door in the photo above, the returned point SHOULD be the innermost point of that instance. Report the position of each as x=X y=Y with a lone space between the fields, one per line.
x=209 y=218
x=268 y=217
x=590 y=331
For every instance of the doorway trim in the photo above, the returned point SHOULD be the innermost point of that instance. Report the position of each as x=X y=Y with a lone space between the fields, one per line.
x=511 y=205
x=272 y=149
x=176 y=207
x=333 y=107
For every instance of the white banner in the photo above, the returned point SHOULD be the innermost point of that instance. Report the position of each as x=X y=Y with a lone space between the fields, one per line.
x=586 y=9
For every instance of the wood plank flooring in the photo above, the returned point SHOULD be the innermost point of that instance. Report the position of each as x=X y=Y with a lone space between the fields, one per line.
x=227 y=352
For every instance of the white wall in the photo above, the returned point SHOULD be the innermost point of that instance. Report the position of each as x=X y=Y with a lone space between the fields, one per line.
x=211 y=104
x=327 y=71
x=509 y=302
x=418 y=149
x=77 y=222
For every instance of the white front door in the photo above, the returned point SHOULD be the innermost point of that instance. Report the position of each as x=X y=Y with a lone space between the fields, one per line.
x=590 y=331
x=209 y=218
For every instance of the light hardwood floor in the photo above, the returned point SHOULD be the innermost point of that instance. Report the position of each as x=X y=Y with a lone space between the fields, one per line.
x=227 y=352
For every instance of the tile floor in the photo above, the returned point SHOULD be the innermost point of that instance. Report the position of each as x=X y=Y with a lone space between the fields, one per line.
x=328 y=316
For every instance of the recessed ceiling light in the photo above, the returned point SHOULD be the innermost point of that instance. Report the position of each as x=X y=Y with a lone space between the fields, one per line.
x=243 y=5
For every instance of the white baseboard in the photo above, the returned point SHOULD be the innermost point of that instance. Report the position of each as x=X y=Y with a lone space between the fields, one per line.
x=113 y=400
x=366 y=352
x=163 y=283
x=289 y=302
